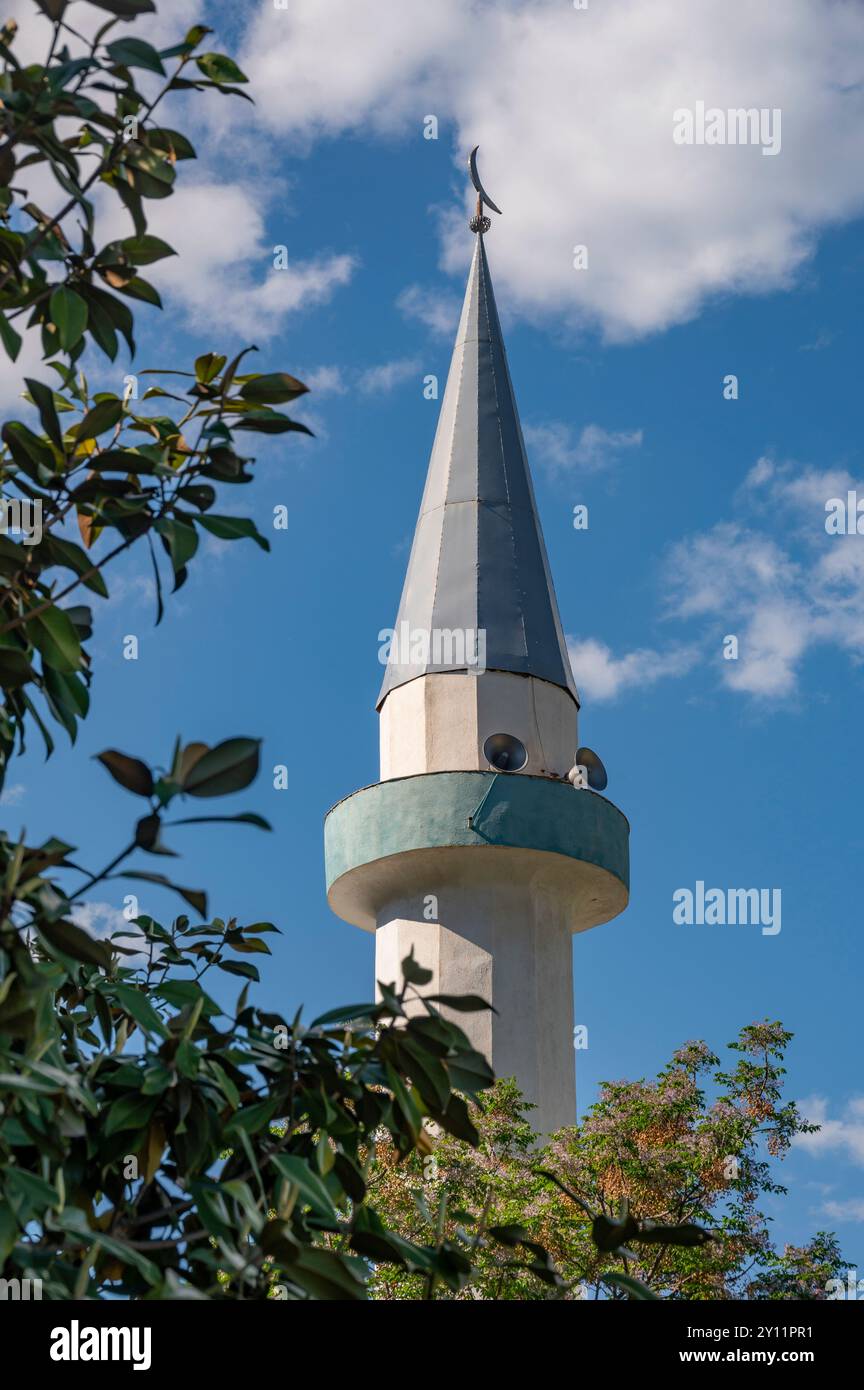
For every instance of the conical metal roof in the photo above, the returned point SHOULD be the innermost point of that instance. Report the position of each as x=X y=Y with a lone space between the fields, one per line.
x=478 y=560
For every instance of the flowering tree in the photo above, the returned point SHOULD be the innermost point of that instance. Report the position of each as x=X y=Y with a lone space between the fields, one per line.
x=625 y=1202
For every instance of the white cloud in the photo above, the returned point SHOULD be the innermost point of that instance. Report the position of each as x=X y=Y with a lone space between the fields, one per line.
x=824 y=338
x=573 y=111
x=779 y=597
x=554 y=447
x=850 y=1210
x=844 y=1135
x=223 y=274
x=715 y=571
x=602 y=676
x=773 y=641
x=12 y=796
x=438 y=311
x=325 y=381
x=378 y=381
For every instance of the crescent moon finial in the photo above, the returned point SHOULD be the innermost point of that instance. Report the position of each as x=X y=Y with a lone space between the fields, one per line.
x=480 y=222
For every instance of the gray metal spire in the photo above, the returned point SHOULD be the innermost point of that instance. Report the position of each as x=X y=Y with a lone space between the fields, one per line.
x=478 y=560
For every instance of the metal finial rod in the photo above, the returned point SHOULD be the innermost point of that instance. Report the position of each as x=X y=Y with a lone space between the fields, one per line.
x=480 y=222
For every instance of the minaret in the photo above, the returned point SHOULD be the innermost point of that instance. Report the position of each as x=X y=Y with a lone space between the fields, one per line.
x=474 y=848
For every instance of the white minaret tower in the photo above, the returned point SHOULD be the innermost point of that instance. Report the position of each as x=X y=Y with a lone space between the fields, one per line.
x=474 y=848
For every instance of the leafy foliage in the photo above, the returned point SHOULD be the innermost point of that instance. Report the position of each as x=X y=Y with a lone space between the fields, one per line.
x=91 y=473
x=656 y=1193
x=152 y=1144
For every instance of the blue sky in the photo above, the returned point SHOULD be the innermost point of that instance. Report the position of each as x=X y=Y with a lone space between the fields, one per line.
x=706 y=515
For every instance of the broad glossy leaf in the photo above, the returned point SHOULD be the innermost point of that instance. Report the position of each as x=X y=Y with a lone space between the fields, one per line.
x=73 y=941
x=233 y=528
x=54 y=634
x=135 y=53
x=228 y=767
x=69 y=312
x=103 y=416
x=125 y=9
x=130 y=1112
x=131 y=773
x=220 y=68
x=66 y=553
x=136 y=1004
x=274 y=388
x=193 y=896
x=312 y=1189
x=43 y=398
x=208 y=366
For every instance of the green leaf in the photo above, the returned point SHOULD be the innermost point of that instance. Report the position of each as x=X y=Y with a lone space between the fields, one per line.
x=470 y=1072
x=270 y=422
x=136 y=1004
x=228 y=767
x=253 y=946
x=273 y=389
x=651 y=1233
x=327 y=1275
x=135 y=53
x=10 y=338
x=73 y=941
x=54 y=634
x=43 y=399
x=425 y=1070
x=131 y=773
x=125 y=9
x=195 y=897
x=121 y=461
x=15 y=669
x=33 y=1191
x=181 y=541
x=456 y=1119
x=130 y=1112
x=144 y=250
x=74 y=1221
x=208 y=367
x=213 y=1211
x=233 y=528
x=171 y=144
x=609 y=1235
x=239 y=967
x=244 y=818
x=462 y=1003
x=348 y=1013
x=71 y=556
x=312 y=1191
x=219 y=68
x=141 y=289
x=511 y=1235
x=103 y=416
x=253 y=1117
x=69 y=312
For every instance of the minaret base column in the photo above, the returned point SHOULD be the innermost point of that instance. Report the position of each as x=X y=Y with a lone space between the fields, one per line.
x=511 y=945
